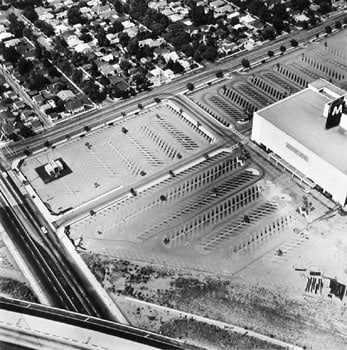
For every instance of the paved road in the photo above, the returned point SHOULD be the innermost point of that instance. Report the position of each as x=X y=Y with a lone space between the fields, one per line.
x=138 y=338
x=55 y=273
x=24 y=96
x=111 y=111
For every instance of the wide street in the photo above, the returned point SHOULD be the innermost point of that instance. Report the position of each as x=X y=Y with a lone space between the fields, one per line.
x=119 y=108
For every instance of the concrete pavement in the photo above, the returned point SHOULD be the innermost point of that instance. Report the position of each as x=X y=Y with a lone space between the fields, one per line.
x=178 y=85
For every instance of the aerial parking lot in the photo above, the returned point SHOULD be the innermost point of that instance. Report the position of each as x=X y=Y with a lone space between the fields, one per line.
x=232 y=101
x=115 y=157
x=214 y=210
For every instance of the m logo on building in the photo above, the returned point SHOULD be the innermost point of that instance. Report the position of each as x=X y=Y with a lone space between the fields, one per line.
x=335 y=113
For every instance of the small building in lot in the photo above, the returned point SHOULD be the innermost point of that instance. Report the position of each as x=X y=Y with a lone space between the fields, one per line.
x=307 y=134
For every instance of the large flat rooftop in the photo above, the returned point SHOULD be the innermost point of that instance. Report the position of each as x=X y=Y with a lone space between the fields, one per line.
x=301 y=117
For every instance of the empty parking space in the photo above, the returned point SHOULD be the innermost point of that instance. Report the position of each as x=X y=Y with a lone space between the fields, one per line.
x=181 y=208
x=115 y=156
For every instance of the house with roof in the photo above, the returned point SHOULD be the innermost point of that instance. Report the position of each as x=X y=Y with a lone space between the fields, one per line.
x=169 y=74
x=72 y=41
x=36 y=126
x=18 y=105
x=3 y=108
x=6 y=128
x=184 y=63
x=74 y=106
x=158 y=5
x=52 y=89
x=119 y=83
x=167 y=12
x=107 y=58
x=106 y=69
x=301 y=18
x=38 y=99
x=223 y=10
x=65 y=95
x=4 y=115
x=26 y=114
x=128 y=24
x=170 y=56
x=132 y=32
x=157 y=76
x=175 y=17
x=61 y=15
x=247 y=19
x=215 y=4
x=82 y=48
x=44 y=107
x=12 y=42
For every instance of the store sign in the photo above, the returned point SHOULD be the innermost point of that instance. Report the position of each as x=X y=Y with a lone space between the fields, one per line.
x=297 y=152
x=335 y=113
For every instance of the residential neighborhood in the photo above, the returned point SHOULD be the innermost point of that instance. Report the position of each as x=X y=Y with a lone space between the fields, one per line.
x=173 y=174
x=69 y=57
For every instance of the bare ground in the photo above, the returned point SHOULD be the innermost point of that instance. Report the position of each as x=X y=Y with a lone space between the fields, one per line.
x=312 y=323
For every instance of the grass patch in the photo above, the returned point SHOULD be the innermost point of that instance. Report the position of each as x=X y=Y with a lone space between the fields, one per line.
x=211 y=336
x=17 y=290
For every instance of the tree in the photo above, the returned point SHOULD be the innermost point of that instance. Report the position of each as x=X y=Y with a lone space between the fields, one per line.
x=27 y=32
x=328 y=29
x=117 y=27
x=30 y=14
x=219 y=74
x=199 y=17
x=210 y=54
x=74 y=15
x=176 y=67
x=86 y=37
x=190 y=86
x=38 y=82
x=234 y=21
x=125 y=65
x=324 y=8
x=11 y=54
x=279 y=11
x=92 y=90
x=197 y=56
x=77 y=76
x=16 y=27
x=270 y=53
x=245 y=63
x=300 y=5
x=124 y=39
x=278 y=25
x=45 y=27
x=304 y=25
x=102 y=40
x=133 y=47
x=24 y=66
x=294 y=43
x=282 y=48
x=338 y=25
x=268 y=33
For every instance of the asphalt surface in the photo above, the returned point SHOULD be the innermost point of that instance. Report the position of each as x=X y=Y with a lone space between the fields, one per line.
x=133 y=334
x=111 y=111
x=54 y=273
